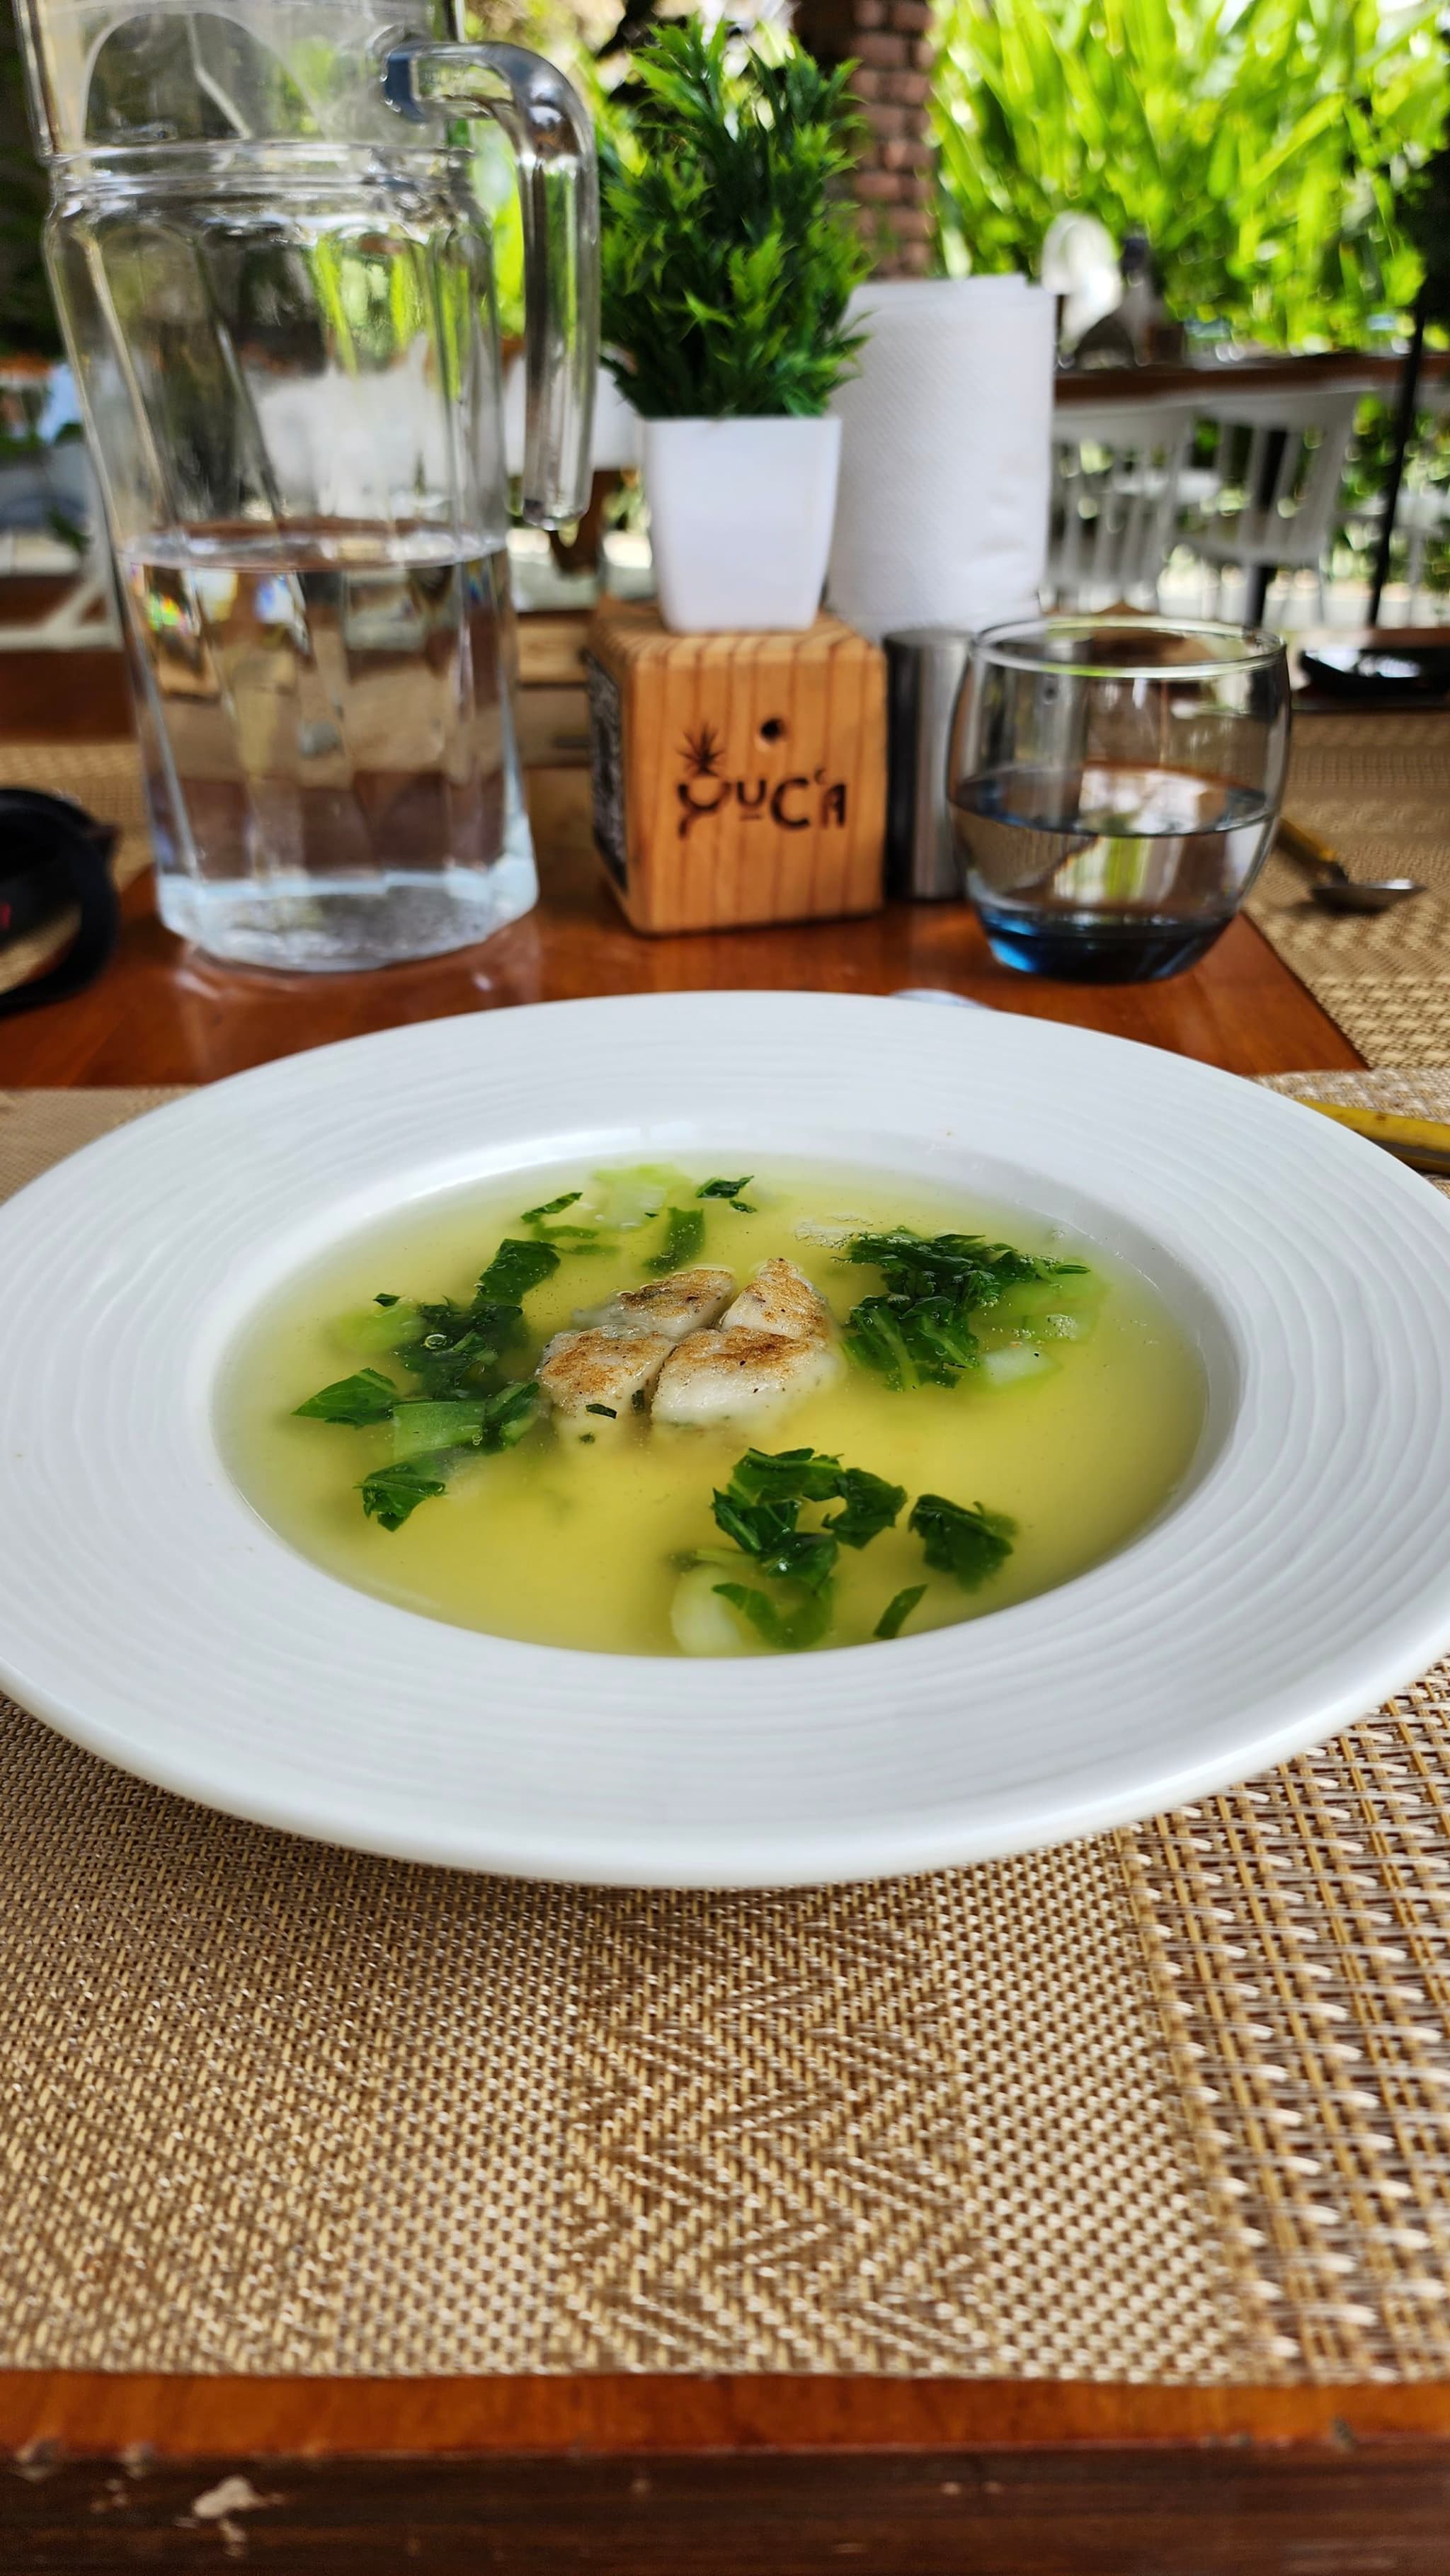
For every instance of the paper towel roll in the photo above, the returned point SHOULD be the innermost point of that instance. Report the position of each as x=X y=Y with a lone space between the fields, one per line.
x=942 y=516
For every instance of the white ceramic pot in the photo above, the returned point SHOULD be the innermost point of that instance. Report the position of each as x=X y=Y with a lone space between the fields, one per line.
x=741 y=513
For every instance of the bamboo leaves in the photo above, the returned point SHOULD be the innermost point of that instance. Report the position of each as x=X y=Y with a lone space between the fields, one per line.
x=1261 y=148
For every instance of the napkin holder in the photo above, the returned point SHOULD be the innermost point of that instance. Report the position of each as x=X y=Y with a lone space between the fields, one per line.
x=737 y=778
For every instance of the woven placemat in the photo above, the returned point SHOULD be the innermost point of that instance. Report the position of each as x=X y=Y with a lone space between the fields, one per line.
x=1173 y=2104
x=105 y=777
x=1377 y=787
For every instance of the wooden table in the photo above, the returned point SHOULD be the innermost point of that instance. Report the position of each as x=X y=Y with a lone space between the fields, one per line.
x=1272 y=371
x=681 y=2477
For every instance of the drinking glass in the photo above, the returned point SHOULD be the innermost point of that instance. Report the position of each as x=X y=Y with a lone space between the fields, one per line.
x=1114 y=785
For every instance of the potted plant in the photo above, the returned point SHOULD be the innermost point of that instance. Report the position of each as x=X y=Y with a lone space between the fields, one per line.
x=728 y=261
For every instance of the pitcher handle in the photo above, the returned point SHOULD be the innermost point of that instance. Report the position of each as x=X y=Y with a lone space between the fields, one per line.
x=552 y=136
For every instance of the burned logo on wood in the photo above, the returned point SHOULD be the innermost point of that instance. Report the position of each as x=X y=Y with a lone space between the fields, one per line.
x=706 y=787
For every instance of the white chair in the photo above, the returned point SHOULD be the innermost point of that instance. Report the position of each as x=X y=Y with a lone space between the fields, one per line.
x=1117 y=485
x=1297 y=445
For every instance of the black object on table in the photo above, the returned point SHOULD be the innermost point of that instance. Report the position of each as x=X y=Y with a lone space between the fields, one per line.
x=54 y=855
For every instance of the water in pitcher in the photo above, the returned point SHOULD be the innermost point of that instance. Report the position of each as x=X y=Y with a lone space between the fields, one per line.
x=1110 y=872
x=328 y=741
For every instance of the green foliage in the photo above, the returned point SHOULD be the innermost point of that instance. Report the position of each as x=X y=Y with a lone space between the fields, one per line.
x=1425 y=213
x=1260 y=145
x=727 y=260
x=27 y=318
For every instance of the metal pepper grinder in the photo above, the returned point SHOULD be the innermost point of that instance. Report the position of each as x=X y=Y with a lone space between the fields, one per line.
x=924 y=669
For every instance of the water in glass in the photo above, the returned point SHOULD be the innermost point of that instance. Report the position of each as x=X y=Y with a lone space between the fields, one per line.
x=1114 y=787
x=332 y=776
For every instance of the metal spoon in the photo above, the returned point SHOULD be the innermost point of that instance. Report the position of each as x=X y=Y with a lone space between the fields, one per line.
x=1336 y=889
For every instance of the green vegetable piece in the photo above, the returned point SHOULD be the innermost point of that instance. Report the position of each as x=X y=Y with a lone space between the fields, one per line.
x=609 y=1412
x=516 y=1267
x=385 y=1300
x=422 y=1426
x=759 y=1509
x=761 y=1504
x=507 y=1415
x=728 y=1190
x=970 y=1544
x=499 y=1324
x=375 y=1327
x=787 y=1631
x=870 y=1506
x=684 y=1234
x=391 y=1493
x=551 y=1207
x=634 y=1195
x=920 y=1331
x=786 y=1475
x=803 y=1556
x=898 y=1610
x=452 y=1358
x=365 y=1397
x=875 y=1339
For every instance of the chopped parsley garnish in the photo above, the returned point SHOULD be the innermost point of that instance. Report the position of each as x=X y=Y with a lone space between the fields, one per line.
x=684 y=1234
x=898 y=1610
x=387 y=1301
x=366 y=1397
x=919 y=1331
x=389 y=1494
x=728 y=1190
x=968 y=1544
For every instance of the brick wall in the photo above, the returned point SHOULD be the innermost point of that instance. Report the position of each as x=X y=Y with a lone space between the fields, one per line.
x=889 y=41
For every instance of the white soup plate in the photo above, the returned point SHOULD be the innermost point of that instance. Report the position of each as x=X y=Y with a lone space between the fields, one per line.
x=1302 y=1574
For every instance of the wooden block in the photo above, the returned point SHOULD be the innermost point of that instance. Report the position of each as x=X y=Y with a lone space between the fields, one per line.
x=737 y=778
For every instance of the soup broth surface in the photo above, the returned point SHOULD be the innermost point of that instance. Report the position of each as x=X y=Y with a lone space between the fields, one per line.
x=579 y=1544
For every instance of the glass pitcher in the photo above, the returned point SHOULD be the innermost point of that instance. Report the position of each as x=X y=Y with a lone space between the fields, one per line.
x=276 y=288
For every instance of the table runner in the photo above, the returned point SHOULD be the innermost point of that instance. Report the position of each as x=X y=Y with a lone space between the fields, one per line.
x=1172 y=2104
x=1377 y=787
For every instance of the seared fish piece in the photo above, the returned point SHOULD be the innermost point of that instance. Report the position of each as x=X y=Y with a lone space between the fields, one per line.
x=780 y=1299
x=739 y=1375
x=681 y=1304
x=592 y=1379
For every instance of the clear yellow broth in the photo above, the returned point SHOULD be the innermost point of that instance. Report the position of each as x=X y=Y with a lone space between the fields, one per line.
x=580 y=1546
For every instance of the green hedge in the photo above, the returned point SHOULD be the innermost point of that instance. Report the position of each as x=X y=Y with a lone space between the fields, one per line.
x=1259 y=144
